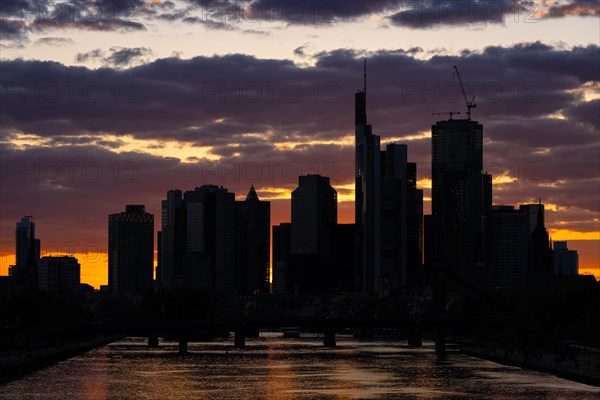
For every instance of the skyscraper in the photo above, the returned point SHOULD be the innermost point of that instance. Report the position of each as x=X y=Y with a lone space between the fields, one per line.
x=540 y=254
x=209 y=259
x=25 y=271
x=394 y=205
x=284 y=280
x=130 y=251
x=253 y=225
x=460 y=194
x=172 y=239
x=314 y=218
x=401 y=219
x=314 y=214
x=367 y=197
x=388 y=214
x=507 y=265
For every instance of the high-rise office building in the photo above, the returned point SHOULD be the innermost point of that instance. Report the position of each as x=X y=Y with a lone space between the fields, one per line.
x=284 y=278
x=253 y=226
x=540 y=264
x=507 y=250
x=172 y=244
x=343 y=259
x=540 y=254
x=367 y=198
x=429 y=247
x=314 y=214
x=401 y=218
x=209 y=259
x=394 y=218
x=461 y=198
x=389 y=210
x=566 y=261
x=130 y=251
x=314 y=218
x=25 y=270
x=60 y=275
x=416 y=260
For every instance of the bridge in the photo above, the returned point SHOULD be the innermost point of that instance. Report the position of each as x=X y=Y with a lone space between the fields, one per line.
x=185 y=331
x=412 y=318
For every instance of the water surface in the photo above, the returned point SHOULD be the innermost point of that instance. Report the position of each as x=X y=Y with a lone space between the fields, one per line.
x=273 y=368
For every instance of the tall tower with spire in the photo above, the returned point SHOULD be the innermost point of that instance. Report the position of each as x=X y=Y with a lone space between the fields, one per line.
x=367 y=197
x=541 y=257
x=253 y=229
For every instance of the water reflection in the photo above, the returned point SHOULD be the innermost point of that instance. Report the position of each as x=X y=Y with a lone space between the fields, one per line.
x=282 y=369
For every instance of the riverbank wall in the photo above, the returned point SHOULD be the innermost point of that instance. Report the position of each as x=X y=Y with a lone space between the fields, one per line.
x=584 y=369
x=16 y=365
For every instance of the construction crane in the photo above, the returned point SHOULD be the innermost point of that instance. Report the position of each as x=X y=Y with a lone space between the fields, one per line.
x=450 y=113
x=470 y=104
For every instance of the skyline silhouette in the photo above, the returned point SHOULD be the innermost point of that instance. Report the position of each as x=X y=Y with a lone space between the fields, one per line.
x=255 y=199
x=389 y=225
x=116 y=167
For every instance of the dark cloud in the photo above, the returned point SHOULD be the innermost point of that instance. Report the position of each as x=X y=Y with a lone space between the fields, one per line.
x=54 y=41
x=100 y=15
x=210 y=24
x=413 y=14
x=421 y=14
x=541 y=133
x=117 y=57
x=11 y=30
x=573 y=8
x=123 y=56
x=585 y=112
x=19 y=17
x=92 y=55
x=434 y=13
x=299 y=51
x=211 y=100
x=22 y=16
x=246 y=110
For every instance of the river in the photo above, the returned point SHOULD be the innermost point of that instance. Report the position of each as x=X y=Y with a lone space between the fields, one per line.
x=273 y=368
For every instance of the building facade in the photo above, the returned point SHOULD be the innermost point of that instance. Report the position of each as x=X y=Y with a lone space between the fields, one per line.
x=284 y=278
x=209 y=259
x=60 y=275
x=314 y=218
x=131 y=251
x=507 y=266
x=367 y=199
x=27 y=248
x=461 y=199
x=566 y=261
x=253 y=226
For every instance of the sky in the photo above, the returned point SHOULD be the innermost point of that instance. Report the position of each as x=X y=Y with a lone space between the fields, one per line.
x=106 y=103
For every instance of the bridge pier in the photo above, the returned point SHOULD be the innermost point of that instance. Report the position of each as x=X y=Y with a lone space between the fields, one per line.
x=183 y=347
x=414 y=337
x=440 y=341
x=329 y=339
x=152 y=342
x=440 y=300
x=240 y=340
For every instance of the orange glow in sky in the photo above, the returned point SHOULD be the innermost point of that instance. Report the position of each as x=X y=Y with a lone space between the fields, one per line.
x=94 y=266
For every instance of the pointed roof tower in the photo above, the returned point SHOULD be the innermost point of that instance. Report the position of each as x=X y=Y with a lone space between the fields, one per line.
x=252 y=196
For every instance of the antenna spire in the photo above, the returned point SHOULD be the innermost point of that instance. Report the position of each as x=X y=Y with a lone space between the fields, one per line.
x=365 y=89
